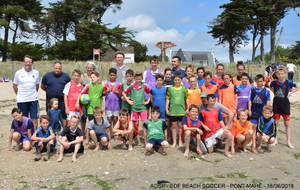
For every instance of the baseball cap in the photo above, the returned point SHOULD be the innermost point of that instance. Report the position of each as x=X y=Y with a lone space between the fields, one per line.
x=203 y=94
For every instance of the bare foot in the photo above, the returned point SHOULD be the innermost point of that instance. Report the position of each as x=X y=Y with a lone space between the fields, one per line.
x=269 y=147
x=259 y=147
x=96 y=149
x=180 y=145
x=245 y=150
x=186 y=153
x=199 y=151
x=87 y=146
x=129 y=148
x=290 y=145
x=275 y=143
x=59 y=159
x=74 y=159
x=227 y=154
x=17 y=147
x=254 y=150
x=173 y=145
x=108 y=146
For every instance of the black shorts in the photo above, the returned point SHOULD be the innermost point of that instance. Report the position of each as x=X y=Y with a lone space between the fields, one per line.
x=90 y=117
x=72 y=148
x=175 y=118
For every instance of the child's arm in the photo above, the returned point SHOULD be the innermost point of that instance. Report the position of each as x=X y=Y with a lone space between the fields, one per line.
x=232 y=146
x=10 y=140
x=249 y=108
x=147 y=101
x=66 y=104
x=145 y=133
x=167 y=106
x=77 y=140
x=106 y=90
x=108 y=133
x=295 y=90
x=206 y=128
x=129 y=130
x=127 y=98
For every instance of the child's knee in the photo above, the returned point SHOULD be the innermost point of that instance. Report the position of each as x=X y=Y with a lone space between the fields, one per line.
x=165 y=144
x=149 y=146
x=103 y=140
x=187 y=133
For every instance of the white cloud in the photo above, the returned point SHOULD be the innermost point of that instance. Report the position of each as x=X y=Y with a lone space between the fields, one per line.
x=200 y=5
x=139 y=22
x=185 y=19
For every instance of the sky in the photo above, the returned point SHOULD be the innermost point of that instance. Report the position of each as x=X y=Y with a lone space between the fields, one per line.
x=185 y=24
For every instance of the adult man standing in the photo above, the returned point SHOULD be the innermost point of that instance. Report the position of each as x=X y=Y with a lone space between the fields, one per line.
x=26 y=85
x=121 y=68
x=176 y=61
x=54 y=83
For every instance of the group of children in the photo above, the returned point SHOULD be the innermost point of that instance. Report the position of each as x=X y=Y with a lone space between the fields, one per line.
x=186 y=109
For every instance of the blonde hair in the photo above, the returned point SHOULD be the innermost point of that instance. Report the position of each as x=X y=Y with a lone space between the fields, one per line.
x=242 y=110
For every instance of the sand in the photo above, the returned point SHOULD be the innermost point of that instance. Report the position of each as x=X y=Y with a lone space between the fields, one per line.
x=120 y=169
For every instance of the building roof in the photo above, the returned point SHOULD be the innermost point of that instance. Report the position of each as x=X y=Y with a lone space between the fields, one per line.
x=196 y=57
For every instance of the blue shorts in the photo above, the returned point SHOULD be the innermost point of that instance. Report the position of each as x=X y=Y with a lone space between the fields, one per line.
x=101 y=135
x=22 y=139
x=254 y=121
x=156 y=141
x=31 y=108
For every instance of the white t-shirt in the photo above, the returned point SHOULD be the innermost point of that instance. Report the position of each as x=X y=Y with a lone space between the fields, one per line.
x=67 y=88
x=27 y=82
x=290 y=67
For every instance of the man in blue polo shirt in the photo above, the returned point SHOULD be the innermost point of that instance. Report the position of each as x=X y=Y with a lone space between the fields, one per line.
x=54 y=83
x=176 y=61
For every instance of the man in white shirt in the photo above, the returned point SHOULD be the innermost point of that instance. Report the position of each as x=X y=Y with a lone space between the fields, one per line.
x=121 y=68
x=25 y=85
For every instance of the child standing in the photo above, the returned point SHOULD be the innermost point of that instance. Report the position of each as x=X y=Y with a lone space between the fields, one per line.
x=99 y=130
x=241 y=131
x=125 y=130
x=266 y=128
x=137 y=101
x=281 y=104
x=207 y=86
x=129 y=81
x=158 y=95
x=44 y=138
x=189 y=71
x=243 y=91
x=200 y=72
x=213 y=119
x=111 y=92
x=258 y=98
x=155 y=131
x=20 y=131
x=194 y=92
x=192 y=130
x=71 y=92
x=56 y=121
x=177 y=96
x=227 y=97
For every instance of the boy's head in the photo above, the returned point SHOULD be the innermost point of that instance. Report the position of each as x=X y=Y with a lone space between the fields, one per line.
x=76 y=72
x=227 y=78
x=44 y=121
x=16 y=113
x=98 y=112
x=220 y=69
x=259 y=80
x=267 y=111
x=280 y=72
x=74 y=121
x=123 y=114
x=159 y=79
x=200 y=72
x=95 y=76
x=155 y=112
x=194 y=111
x=211 y=99
x=207 y=77
x=189 y=70
x=138 y=77
x=168 y=73
x=154 y=61
x=112 y=74
x=193 y=81
x=129 y=74
x=177 y=79
x=244 y=78
x=76 y=75
x=243 y=114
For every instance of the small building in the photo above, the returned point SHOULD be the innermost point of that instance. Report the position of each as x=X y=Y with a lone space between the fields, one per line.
x=110 y=54
x=205 y=58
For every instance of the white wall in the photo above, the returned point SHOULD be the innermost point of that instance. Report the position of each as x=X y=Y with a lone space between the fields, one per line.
x=129 y=58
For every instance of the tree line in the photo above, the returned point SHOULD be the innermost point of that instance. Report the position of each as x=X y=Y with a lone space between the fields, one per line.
x=255 y=17
x=79 y=20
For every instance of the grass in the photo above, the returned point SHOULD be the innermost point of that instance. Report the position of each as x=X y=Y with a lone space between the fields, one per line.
x=297 y=156
x=257 y=181
x=199 y=157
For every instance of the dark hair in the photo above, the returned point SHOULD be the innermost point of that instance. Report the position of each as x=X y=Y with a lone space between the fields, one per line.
x=123 y=111
x=95 y=73
x=245 y=75
x=207 y=73
x=167 y=69
x=229 y=74
x=119 y=53
x=219 y=64
x=178 y=58
x=212 y=96
x=112 y=70
x=51 y=102
x=240 y=64
x=178 y=75
x=259 y=76
x=18 y=110
x=76 y=71
x=200 y=68
x=138 y=74
x=154 y=58
x=44 y=117
x=129 y=71
x=155 y=109
x=194 y=106
x=57 y=62
x=29 y=57
x=159 y=76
